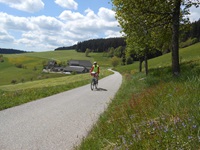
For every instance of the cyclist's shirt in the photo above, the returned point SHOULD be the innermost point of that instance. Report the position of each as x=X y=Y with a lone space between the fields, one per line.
x=95 y=68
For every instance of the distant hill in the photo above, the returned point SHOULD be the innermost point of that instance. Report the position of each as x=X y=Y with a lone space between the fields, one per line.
x=96 y=45
x=11 y=51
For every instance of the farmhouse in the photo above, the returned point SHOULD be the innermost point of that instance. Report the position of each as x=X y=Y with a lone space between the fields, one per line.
x=77 y=66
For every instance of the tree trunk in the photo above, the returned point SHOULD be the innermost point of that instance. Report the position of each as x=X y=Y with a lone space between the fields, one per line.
x=146 y=64
x=175 y=39
x=140 y=65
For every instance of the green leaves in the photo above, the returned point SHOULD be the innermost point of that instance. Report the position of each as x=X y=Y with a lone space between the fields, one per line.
x=153 y=24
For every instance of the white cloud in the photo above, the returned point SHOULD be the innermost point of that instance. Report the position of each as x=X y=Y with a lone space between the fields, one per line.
x=5 y=37
x=46 y=23
x=111 y=33
x=194 y=14
x=10 y=22
x=70 y=4
x=25 y=5
x=106 y=14
x=69 y=15
x=44 y=32
x=90 y=14
x=90 y=23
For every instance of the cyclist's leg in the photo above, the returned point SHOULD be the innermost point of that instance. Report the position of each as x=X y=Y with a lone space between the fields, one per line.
x=92 y=84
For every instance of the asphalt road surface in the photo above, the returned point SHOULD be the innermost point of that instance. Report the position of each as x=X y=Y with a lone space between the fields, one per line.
x=58 y=122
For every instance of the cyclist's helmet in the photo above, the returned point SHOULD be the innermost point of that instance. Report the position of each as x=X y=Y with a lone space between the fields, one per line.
x=95 y=63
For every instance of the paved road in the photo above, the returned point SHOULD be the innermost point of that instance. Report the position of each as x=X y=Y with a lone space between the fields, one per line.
x=57 y=122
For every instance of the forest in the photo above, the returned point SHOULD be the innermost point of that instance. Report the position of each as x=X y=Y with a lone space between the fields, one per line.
x=97 y=45
x=10 y=51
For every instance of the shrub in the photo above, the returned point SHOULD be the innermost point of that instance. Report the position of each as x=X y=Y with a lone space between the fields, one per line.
x=87 y=52
x=19 y=65
x=74 y=73
x=129 y=60
x=188 y=42
x=115 y=61
x=14 y=81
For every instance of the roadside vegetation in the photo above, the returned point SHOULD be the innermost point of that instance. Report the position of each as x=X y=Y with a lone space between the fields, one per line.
x=158 y=111
x=22 y=80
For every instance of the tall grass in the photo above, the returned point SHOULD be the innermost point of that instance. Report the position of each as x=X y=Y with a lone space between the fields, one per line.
x=153 y=112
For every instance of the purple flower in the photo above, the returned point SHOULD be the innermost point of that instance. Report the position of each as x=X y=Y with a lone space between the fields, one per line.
x=189 y=137
x=183 y=124
x=194 y=126
x=134 y=135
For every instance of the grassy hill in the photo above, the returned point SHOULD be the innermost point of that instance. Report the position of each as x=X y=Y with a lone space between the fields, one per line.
x=32 y=84
x=157 y=111
x=32 y=64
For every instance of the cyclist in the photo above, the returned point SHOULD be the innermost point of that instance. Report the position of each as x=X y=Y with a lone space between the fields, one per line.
x=95 y=68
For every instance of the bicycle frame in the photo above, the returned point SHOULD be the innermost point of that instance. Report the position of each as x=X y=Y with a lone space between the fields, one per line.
x=94 y=81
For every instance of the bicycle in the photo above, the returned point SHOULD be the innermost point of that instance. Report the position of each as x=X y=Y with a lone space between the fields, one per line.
x=94 y=81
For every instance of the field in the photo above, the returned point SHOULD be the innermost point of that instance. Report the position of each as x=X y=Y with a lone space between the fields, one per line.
x=157 y=111
x=32 y=84
x=32 y=64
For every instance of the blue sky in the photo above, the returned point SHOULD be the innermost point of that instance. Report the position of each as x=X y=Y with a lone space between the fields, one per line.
x=43 y=25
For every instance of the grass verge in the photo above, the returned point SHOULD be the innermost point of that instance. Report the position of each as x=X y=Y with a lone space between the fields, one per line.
x=30 y=91
x=154 y=112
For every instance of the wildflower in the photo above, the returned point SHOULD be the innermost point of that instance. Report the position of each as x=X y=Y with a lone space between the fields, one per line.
x=177 y=120
x=132 y=116
x=183 y=124
x=151 y=123
x=123 y=140
x=165 y=129
x=134 y=135
x=194 y=126
x=189 y=137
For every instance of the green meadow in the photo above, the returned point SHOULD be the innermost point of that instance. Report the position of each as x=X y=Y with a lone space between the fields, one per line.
x=32 y=84
x=32 y=64
x=157 y=111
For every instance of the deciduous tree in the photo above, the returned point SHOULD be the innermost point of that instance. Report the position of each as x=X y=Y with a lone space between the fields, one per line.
x=153 y=23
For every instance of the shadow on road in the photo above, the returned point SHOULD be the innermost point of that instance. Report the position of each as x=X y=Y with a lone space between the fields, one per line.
x=101 y=89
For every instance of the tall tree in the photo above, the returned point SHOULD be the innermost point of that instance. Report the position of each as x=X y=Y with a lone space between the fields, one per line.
x=145 y=18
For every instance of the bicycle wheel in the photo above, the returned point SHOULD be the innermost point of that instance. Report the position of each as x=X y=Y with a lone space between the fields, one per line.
x=96 y=84
x=92 y=84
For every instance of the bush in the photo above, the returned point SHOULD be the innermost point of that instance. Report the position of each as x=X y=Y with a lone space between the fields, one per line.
x=115 y=61
x=188 y=42
x=129 y=60
x=87 y=52
x=74 y=73
x=20 y=66
x=14 y=81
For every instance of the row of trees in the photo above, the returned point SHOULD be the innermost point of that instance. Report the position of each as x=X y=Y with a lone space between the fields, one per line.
x=96 y=45
x=10 y=51
x=193 y=32
x=153 y=24
x=100 y=45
